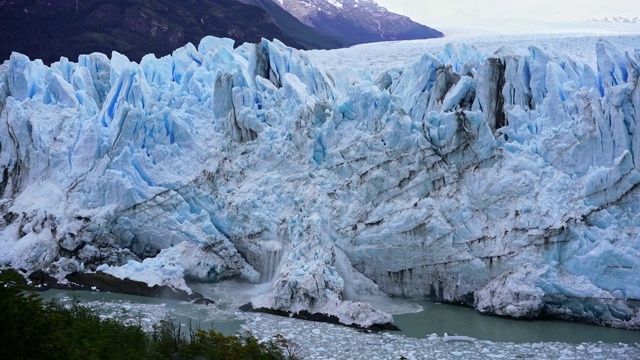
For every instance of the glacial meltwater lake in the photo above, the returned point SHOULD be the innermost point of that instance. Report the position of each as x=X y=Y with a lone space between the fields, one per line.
x=146 y=312
x=440 y=318
x=420 y=319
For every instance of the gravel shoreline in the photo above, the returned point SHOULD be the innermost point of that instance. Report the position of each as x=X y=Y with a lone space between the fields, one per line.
x=328 y=341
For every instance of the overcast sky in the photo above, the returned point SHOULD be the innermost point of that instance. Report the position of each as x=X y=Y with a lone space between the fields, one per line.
x=422 y=11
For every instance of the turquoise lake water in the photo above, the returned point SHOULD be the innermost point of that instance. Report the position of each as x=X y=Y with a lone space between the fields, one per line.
x=421 y=318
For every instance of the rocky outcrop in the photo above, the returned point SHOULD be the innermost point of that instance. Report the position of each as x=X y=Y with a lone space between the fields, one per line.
x=319 y=317
x=41 y=281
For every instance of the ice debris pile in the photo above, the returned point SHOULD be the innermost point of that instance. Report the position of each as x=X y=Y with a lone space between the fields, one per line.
x=508 y=182
x=328 y=341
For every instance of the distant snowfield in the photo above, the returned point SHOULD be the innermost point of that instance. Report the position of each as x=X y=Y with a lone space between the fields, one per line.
x=576 y=40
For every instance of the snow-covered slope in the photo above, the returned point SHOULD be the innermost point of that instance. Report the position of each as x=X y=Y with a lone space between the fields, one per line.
x=618 y=19
x=575 y=43
x=354 y=21
x=508 y=182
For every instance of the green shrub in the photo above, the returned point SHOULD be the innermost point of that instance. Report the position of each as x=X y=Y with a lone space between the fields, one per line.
x=167 y=340
x=170 y=342
x=214 y=345
x=86 y=336
x=27 y=329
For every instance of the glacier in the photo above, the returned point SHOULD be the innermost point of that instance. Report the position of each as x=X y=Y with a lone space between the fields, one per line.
x=503 y=181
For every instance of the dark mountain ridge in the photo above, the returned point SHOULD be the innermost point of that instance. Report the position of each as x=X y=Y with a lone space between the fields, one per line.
x=50 y=29
x=304 y=34
x=353 y=21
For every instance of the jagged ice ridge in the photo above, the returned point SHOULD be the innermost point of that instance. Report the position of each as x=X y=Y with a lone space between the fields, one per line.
x=506 y=182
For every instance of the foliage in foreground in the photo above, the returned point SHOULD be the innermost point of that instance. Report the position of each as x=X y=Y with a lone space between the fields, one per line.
x=169 y=342
x=32 y=329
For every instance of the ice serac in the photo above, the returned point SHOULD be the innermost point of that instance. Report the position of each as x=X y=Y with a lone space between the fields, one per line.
x=507 y=182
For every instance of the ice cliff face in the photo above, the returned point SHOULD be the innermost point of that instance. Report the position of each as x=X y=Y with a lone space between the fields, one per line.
x=507 y=182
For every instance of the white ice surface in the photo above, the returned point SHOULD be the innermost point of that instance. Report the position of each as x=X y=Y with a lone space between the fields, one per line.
x=575 y=40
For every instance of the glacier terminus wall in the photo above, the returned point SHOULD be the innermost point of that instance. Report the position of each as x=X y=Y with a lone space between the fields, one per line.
x=506 y=182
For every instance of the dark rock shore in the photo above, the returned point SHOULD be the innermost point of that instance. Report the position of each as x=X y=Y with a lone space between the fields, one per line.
x=99 y=281
x=319 y=317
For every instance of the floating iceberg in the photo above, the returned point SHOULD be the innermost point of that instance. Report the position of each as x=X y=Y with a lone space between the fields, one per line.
x=507 y=182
